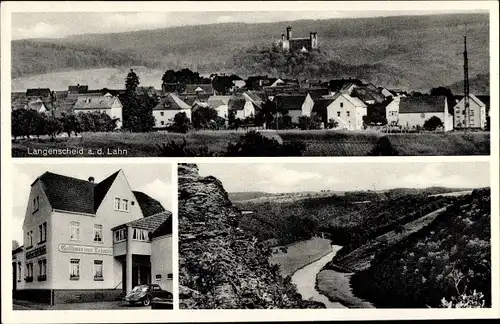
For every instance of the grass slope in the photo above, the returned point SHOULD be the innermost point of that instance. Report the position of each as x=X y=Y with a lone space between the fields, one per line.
x=415 y=52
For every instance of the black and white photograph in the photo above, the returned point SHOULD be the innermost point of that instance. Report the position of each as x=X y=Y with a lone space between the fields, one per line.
x=92 y=237
x=250 y=83
x=334 y=235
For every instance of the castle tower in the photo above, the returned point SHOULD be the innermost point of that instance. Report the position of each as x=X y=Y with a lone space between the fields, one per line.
x=289 y=33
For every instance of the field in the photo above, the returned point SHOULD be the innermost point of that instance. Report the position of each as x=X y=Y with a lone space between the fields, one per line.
x=300 y=254
x=318 y=143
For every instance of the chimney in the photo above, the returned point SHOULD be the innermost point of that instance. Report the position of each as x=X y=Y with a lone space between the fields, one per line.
x=91 y=179
x=289 y=33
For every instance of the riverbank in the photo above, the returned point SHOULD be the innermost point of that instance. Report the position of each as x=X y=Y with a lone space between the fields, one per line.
x=297 y=255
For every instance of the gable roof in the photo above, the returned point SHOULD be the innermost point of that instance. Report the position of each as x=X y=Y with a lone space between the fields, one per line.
x=94 y=101
x=171 y=102
x=164 y=229
x=320 y=106
x=422 y=104
x=254 y=97
x=217 y=101
x=236 y=103
x=192 y=88
x=353 y=100
x=367 y=94
x=289 y=102
x=337 y=84
x=318 y=93
x=81 y=196
x=151 y=223
x=40 y=92
x=149 y=205
x=475 y=99
x=36 y=105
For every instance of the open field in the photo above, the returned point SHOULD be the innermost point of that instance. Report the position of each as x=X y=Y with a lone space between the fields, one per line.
x=300 y=254
x=318 y=143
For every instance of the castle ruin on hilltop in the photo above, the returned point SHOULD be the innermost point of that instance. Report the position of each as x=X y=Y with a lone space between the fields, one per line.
x=305 y=44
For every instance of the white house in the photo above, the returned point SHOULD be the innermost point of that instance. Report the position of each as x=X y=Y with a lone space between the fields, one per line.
x=347 y=111
x=107 y=103
x=37 y=105
x=392 y=111
x=242 y=106
x=477 y=113
x=414 y=111
x=161 y=267
x=220 y=104
x=85 y=241
x=165 y=111
x=296 y=105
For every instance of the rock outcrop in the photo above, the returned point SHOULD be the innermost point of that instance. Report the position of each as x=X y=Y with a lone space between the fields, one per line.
x=221 y=266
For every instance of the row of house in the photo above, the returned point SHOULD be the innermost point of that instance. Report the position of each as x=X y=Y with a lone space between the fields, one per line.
x=344 y=101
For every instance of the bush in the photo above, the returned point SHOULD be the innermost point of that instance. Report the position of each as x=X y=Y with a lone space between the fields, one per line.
x=433 y=123
x=255 y=144
x=383 y=148
x=181 y=123
x=174 y=149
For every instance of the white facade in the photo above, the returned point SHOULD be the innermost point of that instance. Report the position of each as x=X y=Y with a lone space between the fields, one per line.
x=247 y=111
x=477 y=113
x=115 y=110
x=392 y=112
x=165 y=117
x=347 y=111
x=161 y=267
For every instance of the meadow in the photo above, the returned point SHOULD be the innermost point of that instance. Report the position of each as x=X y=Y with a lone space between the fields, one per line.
x=318 y=142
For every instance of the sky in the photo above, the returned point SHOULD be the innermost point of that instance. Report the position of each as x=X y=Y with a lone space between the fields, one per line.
x=61 y=24
x=275 y=178
x=152 y=179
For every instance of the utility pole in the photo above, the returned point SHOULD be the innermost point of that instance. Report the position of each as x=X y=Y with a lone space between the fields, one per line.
x=466 y=87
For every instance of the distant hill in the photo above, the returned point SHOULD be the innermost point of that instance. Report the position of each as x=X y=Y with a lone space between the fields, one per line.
x=411 y=52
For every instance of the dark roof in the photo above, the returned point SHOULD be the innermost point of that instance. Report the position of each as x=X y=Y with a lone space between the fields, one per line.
x=78 y=89
x=421 y=104
x=94 y=101
x=337 y=84
x=164 y=229
x=150 y=223
x=18 y=249
x=205 y=88
x=149 y=206
x=67 y=193
x=81 y=196
x=318 y=93
x=367 y=94
x=320 y=106
x=40 y=92
x=236 y=103
x=289 y=102
x=171 y=102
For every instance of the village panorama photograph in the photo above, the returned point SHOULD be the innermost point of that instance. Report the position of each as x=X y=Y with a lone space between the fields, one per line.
x=90 y=237
x=250 y=83
x=335 y=235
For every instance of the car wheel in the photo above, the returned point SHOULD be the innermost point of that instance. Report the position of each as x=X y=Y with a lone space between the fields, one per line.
x=146 y=301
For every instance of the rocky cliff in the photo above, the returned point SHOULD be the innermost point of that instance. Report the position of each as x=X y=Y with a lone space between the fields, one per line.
x=220 y=266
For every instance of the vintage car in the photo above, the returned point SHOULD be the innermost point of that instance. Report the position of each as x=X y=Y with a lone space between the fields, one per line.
x=145 y=293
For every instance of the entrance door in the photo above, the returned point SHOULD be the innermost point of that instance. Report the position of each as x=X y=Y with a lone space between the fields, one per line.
x=145 y=274
x=135 y=277
x=14 y=276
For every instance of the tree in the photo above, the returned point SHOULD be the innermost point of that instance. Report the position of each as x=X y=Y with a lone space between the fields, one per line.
x=53 y=126
x=71 y=123
x=15 y=244
x=132 y=81
x=433 y=123
x=181 y=123
x=203 y=116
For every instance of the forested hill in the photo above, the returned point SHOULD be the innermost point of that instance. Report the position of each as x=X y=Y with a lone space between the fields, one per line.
x=415 y=52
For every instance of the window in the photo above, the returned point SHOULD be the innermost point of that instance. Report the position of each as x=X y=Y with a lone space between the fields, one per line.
x=471 y=113
x=162 y=122
x=19 y=274
x=348 y=113
x=338 y=113
x=140 y=234
x=97 y=233
x=42 y=270
x=74 y=230
x=120 y=235
x=162 y=113
x=170 y=276
x=29 y=238
x=117 y=203
x=341 y=105
x=98 y=270
x=74 y=269
x=42 y=233
x=36 y=203
x=121 y=204
x=29 y=272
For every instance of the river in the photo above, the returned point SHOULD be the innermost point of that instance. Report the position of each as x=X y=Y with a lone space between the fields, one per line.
x=335 y=284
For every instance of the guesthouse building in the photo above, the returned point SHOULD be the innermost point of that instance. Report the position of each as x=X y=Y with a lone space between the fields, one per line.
x=87 y=241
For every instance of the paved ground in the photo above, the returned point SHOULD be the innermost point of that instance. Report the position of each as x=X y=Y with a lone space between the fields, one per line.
x=25 y=305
